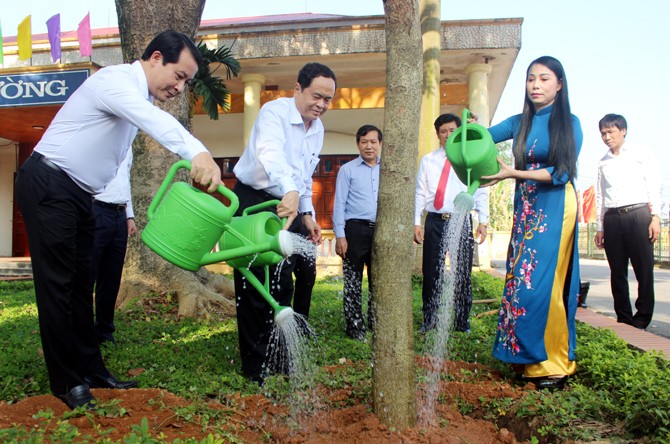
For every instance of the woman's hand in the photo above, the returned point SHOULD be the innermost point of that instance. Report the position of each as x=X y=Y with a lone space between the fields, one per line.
x=506 y=172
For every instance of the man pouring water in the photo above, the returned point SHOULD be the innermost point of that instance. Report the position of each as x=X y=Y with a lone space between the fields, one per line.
x=278 y=163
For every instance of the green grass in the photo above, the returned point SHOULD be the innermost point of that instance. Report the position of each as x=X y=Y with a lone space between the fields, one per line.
x=618 y=393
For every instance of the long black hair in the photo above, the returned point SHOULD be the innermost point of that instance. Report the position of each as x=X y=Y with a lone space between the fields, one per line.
x=562 y=147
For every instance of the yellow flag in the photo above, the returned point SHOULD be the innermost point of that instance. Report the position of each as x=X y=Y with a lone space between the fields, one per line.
x=25 y=39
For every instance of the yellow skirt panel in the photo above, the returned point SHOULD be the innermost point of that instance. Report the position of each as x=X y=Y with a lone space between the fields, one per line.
x=556 y=331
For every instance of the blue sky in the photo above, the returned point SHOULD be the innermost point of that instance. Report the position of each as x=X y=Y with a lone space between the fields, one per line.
x=614 y=54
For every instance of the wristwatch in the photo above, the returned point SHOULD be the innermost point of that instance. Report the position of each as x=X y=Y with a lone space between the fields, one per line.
x=307 y=213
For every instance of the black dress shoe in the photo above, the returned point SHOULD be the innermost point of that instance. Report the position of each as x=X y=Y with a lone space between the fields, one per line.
x=78 y=396
x=108 y=382
x=551 y=383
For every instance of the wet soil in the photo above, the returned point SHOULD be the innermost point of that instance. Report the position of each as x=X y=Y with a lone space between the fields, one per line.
x=339 y=418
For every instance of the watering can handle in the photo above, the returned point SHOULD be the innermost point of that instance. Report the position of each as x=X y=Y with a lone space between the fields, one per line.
x=260 y=206
x=464 y=138
x=221 y=189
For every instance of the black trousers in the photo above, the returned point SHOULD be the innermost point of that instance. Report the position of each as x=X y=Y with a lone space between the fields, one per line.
x=627 y=239
x=255 y=317
x=433 y=267
x=60 y=227
x=109 y=252
x=305 y=277
x=359 y=235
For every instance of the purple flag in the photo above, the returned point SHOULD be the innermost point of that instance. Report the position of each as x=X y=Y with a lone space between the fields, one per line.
x=53 y=28
x=84 y=36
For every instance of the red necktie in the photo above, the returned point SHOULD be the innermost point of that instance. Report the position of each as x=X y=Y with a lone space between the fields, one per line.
x=442 y=185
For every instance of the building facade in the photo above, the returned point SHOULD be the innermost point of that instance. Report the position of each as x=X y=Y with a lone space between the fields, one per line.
x=476 y=60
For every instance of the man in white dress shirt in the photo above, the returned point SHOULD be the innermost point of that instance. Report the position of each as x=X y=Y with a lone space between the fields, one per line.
x=436 y=187
x=114 y=222
x=76 y=158
x=278 y=163
x=628 y=203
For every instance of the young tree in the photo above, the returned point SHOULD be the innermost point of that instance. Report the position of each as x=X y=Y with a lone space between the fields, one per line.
x=393 y=372
x=144 y=271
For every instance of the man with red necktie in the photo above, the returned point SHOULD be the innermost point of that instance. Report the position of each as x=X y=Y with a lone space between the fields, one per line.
x=436 y=187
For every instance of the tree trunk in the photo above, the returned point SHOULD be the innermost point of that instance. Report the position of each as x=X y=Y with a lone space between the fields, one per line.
x=431 y=32
x=145 y=272
x=393 y=372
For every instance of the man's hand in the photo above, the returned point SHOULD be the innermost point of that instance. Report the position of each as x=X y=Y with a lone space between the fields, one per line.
x=313 y=228
x=599 y=239
x=132 y=228
x=288 y=207
x=654 y=229
x=205 y=171
x=418 y=234
x=341 y=247
x=481 y=233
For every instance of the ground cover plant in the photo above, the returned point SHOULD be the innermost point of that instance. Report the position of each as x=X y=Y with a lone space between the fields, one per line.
x=192 y=390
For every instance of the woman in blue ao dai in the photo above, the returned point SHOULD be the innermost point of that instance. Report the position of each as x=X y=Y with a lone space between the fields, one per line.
x=536 y=326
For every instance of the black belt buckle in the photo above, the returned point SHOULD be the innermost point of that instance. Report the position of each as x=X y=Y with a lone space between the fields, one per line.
x=628 y=208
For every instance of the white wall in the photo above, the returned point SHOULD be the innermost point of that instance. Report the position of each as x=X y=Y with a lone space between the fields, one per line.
x=7 y=169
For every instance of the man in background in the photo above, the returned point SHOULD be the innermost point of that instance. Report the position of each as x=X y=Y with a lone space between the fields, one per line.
x=354 y=219
x=628 y=204
x=114 y=222
x=436 y=187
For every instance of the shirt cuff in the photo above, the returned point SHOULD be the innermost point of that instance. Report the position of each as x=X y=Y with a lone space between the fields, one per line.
x=286 y=185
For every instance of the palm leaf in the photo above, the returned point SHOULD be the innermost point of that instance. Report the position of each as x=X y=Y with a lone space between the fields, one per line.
x=212 y=89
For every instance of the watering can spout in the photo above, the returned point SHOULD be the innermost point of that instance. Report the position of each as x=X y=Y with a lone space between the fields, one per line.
x=284 y=244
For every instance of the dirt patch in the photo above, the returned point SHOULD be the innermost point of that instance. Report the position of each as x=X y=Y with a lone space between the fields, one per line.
x=339 y=419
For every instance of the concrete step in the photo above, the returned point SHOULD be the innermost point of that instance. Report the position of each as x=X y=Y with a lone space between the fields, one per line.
x=15 y=268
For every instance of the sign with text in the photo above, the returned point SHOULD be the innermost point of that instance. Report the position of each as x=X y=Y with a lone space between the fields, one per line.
x=45 y=88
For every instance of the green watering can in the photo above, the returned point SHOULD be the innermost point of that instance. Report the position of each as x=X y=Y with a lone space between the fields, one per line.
x=264 y=228
x=472 y=154
x=185 y=224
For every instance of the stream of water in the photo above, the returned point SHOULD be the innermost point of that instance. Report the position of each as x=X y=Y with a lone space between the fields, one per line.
x=438 y=339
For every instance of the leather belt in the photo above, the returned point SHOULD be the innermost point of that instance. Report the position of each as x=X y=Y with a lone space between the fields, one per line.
x=111 y=206
x=626 y=209
x=369 y=223
x=443 y=216
x=40 y=158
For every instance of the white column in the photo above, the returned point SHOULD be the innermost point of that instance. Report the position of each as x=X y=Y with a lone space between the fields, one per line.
x=478 y=91
x=252 y=101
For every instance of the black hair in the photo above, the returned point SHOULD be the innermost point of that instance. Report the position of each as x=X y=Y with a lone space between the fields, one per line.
x=611 y=120
x=171 y=44
x=362 y=131
x=313 y=70
x=446 y=118
x=562 y=145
